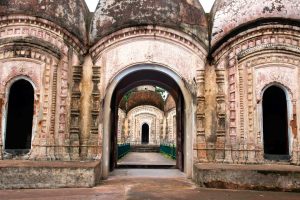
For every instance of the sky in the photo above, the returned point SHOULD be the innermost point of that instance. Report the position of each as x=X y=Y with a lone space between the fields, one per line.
x=207 y=4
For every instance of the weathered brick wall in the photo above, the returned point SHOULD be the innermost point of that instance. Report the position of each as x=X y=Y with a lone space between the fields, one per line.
x=40 y=174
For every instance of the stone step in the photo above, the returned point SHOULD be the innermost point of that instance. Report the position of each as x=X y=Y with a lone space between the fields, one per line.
x=140 y=166
x=144 y=148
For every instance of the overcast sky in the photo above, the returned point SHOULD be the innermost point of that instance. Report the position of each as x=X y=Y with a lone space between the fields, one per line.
x=207 y=4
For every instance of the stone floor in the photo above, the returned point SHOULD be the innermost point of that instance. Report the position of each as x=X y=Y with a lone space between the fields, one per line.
x=137 y=158
x=144 y=184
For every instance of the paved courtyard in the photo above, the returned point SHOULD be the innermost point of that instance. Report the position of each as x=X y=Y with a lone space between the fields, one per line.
x=137 y=158
x=144 y=184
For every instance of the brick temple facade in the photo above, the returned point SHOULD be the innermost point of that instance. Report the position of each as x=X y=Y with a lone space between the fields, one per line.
x=232 y=73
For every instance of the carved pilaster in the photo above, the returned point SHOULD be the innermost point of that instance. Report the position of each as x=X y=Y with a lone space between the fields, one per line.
x=95 y=112
x=200 y=146
x=63 y=136
x=231 y=140
x=75 y=113
x=51 y=137
x=220 y=143
x=242 y=116
x=43 y=145
x=1 y=115
x=251 y=137
x=298 y=152
x=294 y=127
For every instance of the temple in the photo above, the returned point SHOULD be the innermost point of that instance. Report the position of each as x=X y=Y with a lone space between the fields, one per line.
x=223 y=87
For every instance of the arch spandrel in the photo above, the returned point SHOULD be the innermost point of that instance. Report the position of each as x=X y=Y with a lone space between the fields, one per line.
x=153 y=52
x=276 y=74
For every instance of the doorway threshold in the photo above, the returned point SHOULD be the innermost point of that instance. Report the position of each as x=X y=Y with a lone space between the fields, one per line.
x=155 y=173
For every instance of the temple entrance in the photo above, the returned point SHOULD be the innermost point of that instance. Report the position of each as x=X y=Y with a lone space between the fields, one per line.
x=155 y=79
x=145 y=134
x=19 y=117
x=275 y=124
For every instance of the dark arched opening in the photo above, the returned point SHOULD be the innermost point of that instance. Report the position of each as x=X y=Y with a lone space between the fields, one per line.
x=154 y=78
x=275 y=124
x=145 y=134
x=19 y=117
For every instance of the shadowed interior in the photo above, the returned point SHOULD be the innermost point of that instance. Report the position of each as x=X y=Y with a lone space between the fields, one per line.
x=19 y=116
x=275 y=122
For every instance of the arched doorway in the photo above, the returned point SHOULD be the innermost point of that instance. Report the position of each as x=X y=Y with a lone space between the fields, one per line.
x=187 y=110
x=147 y=77
x=145 y=134
x=275 y=125
x=19 y=117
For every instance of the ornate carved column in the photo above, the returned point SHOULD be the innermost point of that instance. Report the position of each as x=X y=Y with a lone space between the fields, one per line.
x=75 y=113
x=86 y=103
x=1 y=125
x=95 y=112
x=201 y=146
x=231 y=141
x=242 y=115
x=220 y=143
x=251 y=118
x=63 y=94
x=294 y=127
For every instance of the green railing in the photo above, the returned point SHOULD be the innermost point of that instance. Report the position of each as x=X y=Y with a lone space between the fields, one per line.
x=123 y=149
x=169 y=150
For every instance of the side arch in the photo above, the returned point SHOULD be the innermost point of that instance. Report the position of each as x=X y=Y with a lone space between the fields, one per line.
x=19 y=112
x=276 y=112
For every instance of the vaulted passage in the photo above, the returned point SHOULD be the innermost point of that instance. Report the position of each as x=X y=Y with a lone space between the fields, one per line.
x=19 y=116
x=145 y=134
x=153 y=78
x=275 y=122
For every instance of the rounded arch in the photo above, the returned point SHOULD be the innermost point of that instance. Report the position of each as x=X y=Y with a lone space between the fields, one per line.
x=145 y=136
x=14 y=79
x=187 y=116
x=145 y=123
x=276 y=109
x=19 y=116
x=288 y=92
x=9 y=83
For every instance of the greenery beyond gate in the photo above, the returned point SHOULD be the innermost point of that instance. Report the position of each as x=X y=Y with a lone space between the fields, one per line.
x=123 y=149
x=169 y=150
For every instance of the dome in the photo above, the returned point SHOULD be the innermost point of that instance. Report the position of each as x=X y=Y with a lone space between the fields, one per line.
x=69 y=14
x=186 y=15
x=229 y=15
x=139 y=98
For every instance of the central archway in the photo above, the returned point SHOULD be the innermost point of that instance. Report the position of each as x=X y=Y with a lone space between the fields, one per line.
x=145 y=134
x=149 y=75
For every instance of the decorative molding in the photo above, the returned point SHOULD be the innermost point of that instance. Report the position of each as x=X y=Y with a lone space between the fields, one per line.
x=148 y=31
x=266 y=37
x=270 y=47
x=18 y=25
x=42 y=79
x=95 y=99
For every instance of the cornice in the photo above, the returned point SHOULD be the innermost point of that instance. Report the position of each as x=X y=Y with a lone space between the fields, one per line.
x=148 y=31
x=45 y=27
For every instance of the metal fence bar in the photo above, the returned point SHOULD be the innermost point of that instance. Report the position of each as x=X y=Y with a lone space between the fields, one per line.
x=168 y=149
x=123 y=149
